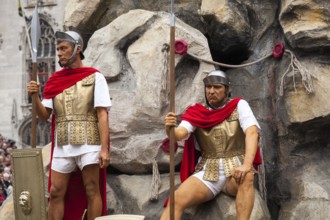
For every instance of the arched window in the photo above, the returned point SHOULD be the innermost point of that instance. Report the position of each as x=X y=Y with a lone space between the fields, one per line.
x=46 y=66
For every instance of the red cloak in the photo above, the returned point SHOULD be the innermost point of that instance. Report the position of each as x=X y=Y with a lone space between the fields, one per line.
x=75 y=198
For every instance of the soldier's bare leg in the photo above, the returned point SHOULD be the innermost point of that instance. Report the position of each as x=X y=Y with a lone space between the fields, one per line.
x=59 y=184
x=191 y=192
x=91 y=182
x=244 y=193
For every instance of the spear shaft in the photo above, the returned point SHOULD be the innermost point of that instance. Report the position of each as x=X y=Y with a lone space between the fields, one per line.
x=34 y=108
x=172 y=107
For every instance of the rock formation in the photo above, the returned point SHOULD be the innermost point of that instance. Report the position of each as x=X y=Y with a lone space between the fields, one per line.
x=289 y=95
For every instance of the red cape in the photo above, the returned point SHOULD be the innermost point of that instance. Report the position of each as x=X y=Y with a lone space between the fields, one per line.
x=75 y=198
x=64 y=79
x=201 y=117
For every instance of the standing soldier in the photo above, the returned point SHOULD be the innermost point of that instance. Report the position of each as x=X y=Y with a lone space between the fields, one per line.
x=79 y=99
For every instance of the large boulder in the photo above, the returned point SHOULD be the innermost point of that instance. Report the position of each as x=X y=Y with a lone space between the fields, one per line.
x=133 y=57
x=89 y=16
x=306 y=23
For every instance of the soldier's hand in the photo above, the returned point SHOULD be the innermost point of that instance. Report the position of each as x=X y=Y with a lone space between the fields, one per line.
x=240 y=172
x=104 y=158
x=170 y=120
x=33 y=87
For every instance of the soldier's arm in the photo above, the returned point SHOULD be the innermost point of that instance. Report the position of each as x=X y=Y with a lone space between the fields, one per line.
x=42 y=112
x=103 y=124
x=251 y=144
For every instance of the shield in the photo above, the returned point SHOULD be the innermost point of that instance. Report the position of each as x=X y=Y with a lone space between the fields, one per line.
x=29 y=184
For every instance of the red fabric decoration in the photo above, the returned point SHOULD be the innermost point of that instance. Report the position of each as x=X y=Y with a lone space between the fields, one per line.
x=166 y=145
x=64 y=79
x=278 y=50
x=257 y=159
x=75 y=199
x=189 y=158
x=181 y=47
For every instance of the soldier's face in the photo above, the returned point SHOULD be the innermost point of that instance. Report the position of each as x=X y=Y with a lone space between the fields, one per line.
x=215 y=94
x=64 y=50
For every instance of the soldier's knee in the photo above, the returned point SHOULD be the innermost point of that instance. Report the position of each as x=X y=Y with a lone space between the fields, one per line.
x=56 y=193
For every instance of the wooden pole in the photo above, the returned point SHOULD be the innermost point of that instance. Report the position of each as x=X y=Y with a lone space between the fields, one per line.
x=172 y=108
x=34 y=108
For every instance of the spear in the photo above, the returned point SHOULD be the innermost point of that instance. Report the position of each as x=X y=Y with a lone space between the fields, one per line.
x=35 y=35
x=172 y=107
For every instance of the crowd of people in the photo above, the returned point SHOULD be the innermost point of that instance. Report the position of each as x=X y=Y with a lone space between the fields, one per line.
x=6 y=148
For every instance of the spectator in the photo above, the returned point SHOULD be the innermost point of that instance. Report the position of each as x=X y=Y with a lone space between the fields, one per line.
x=6 y=149
x=3 y=192
x=7 y=179
x=2 y=198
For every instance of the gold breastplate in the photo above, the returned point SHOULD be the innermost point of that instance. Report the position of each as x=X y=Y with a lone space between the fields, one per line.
x=76 y=118
x=224 y=141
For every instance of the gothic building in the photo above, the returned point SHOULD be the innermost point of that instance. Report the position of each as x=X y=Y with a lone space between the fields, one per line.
x=16 y=65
